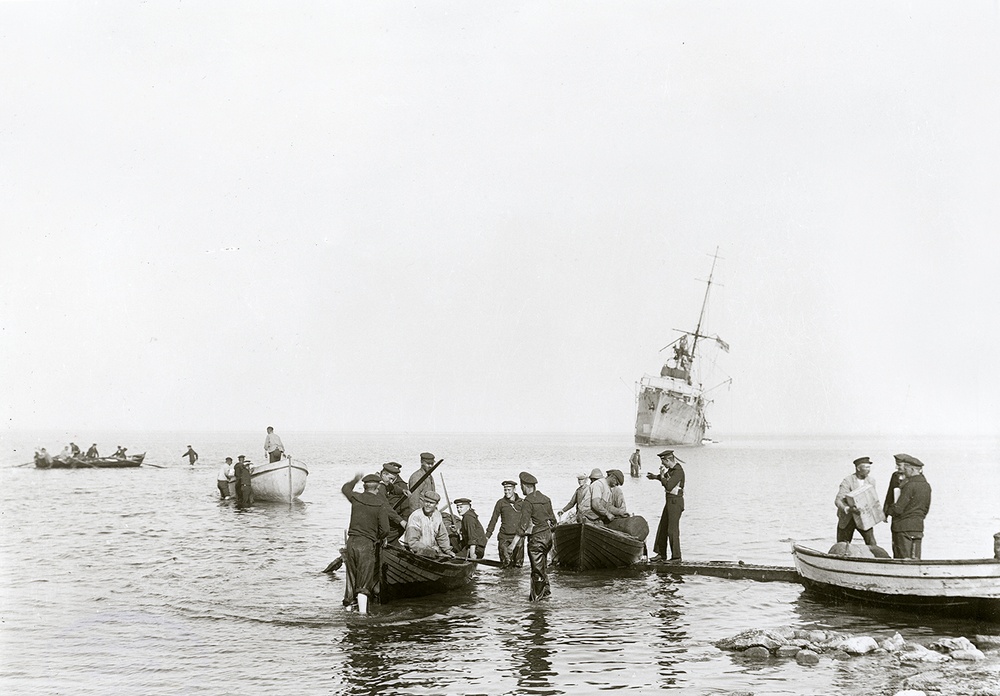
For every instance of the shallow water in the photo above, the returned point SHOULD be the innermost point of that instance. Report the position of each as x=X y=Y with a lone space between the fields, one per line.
x=141 y=580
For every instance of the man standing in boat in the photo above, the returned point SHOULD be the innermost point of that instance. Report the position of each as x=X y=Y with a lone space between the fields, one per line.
x=394 y=494
x=508 y=511
x=426 y=464
x=635 y=462
x=368 y=527
x=273 y=447
x=536 y=522
x=671 y=477
x=909 y=511
x=892 y=493
x=580 y=502
x=845 y=511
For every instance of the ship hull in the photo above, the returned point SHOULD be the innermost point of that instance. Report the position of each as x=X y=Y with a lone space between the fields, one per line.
x=665 y=419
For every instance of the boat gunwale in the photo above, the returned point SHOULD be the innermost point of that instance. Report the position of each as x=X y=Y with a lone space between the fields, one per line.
x=904 y=562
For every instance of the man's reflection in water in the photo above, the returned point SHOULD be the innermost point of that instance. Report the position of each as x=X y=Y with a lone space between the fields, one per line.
x=668 y=607
x=528 y=645
x=366 y=668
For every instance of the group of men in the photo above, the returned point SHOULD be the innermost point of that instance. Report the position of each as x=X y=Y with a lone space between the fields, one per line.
x=72 y=451
x=907 y=502
x=240 y=472
x=598 y=498
x=388 y=512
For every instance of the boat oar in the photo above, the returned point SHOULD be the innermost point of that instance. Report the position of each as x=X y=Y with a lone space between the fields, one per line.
x=156 y=466
x=334 y=565
x=485 y=561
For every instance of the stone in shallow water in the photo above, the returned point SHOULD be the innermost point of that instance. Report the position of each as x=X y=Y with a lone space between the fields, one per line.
x=861 y=645
x=807 y=657
x=753 y=637
x=788 y=651
x=986 y=642
x=757 y=653
x=970 y=655
x=951 y=644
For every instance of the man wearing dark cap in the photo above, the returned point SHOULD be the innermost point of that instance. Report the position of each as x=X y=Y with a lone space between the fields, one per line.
x=671 y=477
x=426 y=463
x=846 y=524
x=222 y=478
x=507 y=510
x=244 y=494
x=536 y=522
x=635 y=463
x=892 y=493
x=395 y=494
x=909 y=511
x=471 y=537
x=369 y=526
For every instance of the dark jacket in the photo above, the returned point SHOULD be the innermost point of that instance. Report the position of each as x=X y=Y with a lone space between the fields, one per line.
x=471 y=532
x=895 y=481
x=672 y=480
x=536 y=514
x=369 y=514
x=392 y=497
x=913 y=505
x=507 y=511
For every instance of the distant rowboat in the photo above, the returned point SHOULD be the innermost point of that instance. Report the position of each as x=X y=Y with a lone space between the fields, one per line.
x=966 y=587
x=85 y=463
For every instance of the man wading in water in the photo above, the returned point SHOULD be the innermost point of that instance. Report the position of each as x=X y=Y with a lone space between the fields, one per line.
x=369 y=526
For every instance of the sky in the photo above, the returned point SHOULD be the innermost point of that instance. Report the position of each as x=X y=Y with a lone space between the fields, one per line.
x=491 y=217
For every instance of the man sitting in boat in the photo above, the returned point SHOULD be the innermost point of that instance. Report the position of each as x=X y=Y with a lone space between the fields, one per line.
x=120 y=452
x=580 y=501
x=74 y=449
x=44 y=454
x=368 y=527
x=616 y=479
x=425 y=533
x=602 y=510
x=92 y=452
x=471 y=536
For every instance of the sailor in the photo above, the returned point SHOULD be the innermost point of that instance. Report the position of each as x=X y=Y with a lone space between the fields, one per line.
x=671 y=477
x=191 y=455
x=368 y=527
x=394 y=493
x=471 y=537
x=845 y=511
x=507 y=510
x=74 y=450
x=92 y=452
x=895 y=481
x=120 y=452
x=426 y=463
x=425 y=533
x=536 y=522
x=244 y=493
x=909 y=511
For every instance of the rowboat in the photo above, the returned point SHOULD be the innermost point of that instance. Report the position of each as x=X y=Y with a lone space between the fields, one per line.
x=405 y=574
x=85 y=463
x=280 y=481
x=963 y=587
x=581 y=546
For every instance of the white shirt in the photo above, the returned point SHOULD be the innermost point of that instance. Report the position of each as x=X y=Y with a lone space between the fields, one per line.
x=225 y=472
x=273 y=442
x=426 y=531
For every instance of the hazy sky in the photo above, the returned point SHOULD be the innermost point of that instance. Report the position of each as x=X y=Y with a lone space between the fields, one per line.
x=491 y=216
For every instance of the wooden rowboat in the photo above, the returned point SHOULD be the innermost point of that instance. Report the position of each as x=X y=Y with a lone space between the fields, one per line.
x=962 y=587
x=405 y=574
x=590 y=547
x=84 y=463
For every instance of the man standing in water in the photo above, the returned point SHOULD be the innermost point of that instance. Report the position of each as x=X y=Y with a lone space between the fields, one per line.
x=222 y=478
x=508 y=511
x=909 y=511
x=671 y=477
x=635 y=462
x=845 y=511
x=191 y=455
x=273 y=447
x=369 y=525
x=244 y=494
x=536 y=522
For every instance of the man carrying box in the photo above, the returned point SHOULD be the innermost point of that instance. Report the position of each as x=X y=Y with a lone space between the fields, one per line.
x=850 y=516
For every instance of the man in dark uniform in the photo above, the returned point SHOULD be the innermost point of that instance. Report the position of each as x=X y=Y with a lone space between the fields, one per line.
x=368 y=527
x=244 y=495
x=895 y=482
x=536 y=522
x=671 y=476
x=392 y=490
x=508 y=511
x=92 y=452
x=471 y=537
x=426 y=464
x=909 y=511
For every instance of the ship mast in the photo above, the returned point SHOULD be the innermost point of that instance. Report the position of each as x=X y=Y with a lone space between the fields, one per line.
x=704 y=304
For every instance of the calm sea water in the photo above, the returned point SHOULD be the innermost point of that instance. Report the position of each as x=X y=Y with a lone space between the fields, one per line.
x=142 y=581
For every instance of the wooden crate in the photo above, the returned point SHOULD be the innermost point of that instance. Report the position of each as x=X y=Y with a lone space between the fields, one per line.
x=869 y=507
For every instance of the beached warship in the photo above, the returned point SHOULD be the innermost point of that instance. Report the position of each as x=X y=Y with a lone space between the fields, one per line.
x=670 y=408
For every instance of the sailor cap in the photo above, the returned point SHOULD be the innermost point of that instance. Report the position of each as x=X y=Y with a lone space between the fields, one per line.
x=862 y=460
x=508 y=483
x=371 y=478
x=527 y=478
x=391 y=467
x=463 y=501
x=907 y=459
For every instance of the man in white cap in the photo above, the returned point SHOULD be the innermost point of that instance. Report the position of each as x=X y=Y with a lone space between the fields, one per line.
x=580 y=502
x=671 y=477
